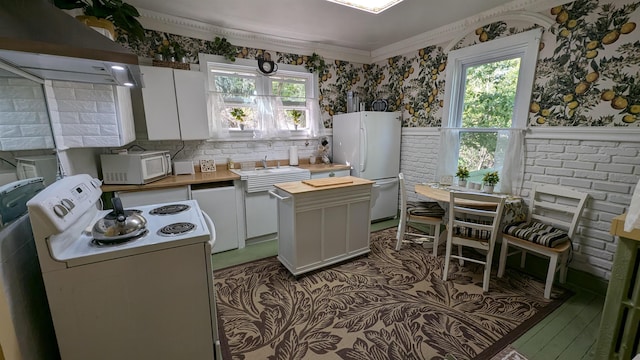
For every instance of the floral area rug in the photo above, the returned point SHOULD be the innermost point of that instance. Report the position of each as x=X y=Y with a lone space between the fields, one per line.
x=385 y=305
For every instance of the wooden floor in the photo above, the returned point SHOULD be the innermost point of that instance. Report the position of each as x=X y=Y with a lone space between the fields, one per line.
x=568 y=333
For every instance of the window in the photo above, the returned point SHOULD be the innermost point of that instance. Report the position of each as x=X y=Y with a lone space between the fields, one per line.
x=271 y=106
x=488 y=90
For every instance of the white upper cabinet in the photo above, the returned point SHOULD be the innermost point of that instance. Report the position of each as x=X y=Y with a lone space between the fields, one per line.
x=175 y=104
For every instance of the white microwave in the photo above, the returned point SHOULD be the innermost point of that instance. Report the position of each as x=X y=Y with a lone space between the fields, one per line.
x=44 y=166
x=135 y=168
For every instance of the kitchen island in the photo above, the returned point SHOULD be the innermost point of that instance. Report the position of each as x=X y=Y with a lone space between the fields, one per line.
x=322 y=221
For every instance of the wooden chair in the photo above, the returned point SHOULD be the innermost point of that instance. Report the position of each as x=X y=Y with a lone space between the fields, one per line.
x=419 y=213
x=554 y=212
x=473 y=227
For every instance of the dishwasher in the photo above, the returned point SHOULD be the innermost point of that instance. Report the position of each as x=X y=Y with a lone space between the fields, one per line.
x=218 y=200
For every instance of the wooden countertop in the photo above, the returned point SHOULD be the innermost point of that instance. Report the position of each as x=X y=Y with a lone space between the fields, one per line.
x=298 y=187
x=202 y=178
x=617 y=228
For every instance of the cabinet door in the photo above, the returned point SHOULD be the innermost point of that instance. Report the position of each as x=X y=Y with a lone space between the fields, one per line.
x=124 y=109
x=191 y=97
x=160 y=107
x=261 y=213
x=220 y=205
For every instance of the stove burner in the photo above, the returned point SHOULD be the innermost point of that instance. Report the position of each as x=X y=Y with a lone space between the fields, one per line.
x=170 y=209
x=103 y=243
x=177 y=229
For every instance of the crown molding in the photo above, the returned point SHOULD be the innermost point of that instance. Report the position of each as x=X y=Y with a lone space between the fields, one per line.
x=195 y=29
x=527 y=10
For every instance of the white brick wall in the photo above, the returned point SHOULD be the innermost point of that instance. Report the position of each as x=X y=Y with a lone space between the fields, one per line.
x=24 y=123
x=84 y=115
x=238 y=151
x=607 y=170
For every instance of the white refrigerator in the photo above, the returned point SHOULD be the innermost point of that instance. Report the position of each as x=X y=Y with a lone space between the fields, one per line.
x=369 y=141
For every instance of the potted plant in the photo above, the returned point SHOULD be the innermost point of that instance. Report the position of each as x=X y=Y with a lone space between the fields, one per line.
x=295 y=115
x=462 y=174
x=490 y=180
x=239 y=115
x=119 y=13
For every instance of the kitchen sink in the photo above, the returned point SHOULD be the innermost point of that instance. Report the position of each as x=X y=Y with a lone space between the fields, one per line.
x=267 y=171
x=262 y=179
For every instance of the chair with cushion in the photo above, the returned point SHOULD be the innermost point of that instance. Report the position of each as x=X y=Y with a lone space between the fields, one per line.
x=475 y=227
x=554 y=212
x=425 y=213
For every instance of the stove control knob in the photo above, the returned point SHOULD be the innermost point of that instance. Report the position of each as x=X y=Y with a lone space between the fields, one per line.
x=67 y=204
x=60 y=210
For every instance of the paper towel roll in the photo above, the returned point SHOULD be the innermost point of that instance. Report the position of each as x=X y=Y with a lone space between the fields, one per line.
x=293 y=155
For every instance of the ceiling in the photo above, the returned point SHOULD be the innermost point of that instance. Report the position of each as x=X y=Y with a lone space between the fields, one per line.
x=324 y=22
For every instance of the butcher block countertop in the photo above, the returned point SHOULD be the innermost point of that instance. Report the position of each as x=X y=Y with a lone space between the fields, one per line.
x=221 y=174
x=306 y=186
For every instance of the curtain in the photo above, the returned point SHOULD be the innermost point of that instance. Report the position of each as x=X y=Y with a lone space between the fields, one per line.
x=271 y=121
x=449 y=147
x=315 y=119
x=218 y=125
x=509 y=158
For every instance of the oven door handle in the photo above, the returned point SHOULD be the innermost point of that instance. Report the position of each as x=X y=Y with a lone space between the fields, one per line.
x=212 y=228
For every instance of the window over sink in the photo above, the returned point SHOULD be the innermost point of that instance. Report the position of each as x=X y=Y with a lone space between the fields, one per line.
x=247 y=104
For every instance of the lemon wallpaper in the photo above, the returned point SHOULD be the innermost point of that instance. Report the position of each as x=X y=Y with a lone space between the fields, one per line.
x=588 y=71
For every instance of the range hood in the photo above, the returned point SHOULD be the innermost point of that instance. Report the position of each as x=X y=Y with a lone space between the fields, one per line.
x=40 y=39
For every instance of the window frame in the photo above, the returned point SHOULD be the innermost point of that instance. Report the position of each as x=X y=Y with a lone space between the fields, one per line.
x=523 y=45
x=264 y=83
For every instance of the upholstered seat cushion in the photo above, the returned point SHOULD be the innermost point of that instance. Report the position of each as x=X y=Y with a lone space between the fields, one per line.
x=536 y=232
x=424 y=208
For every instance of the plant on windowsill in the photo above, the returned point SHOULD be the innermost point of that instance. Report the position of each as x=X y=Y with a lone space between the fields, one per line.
x=490 y=180
x=295 y=115
x=117 y=12
x=462 y=174
x=239 y=115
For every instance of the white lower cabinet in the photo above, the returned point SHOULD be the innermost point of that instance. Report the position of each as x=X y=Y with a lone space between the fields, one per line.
x=330 y=173
x=220 y=204
x=320 y=228
x=261 y=212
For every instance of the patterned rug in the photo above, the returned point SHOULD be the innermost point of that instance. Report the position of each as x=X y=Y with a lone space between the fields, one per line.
x=385 y=305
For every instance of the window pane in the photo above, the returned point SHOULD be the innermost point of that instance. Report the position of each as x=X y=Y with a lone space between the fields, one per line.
x=291 y=90
x=477 y=153
x=235 y=87
x=490 y=92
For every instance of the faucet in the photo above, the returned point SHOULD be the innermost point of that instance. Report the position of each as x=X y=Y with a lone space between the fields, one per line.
x=264 y=162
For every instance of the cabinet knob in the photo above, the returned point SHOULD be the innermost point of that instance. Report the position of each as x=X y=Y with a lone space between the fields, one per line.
x=332 y=174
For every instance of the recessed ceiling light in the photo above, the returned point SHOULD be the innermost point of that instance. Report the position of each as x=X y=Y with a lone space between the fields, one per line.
x=372 y=6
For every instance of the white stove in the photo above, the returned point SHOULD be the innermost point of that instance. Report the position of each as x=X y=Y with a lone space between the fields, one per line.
x=148 y=297
x=83 y=249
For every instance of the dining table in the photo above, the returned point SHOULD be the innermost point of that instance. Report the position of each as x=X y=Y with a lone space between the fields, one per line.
x=514 y=206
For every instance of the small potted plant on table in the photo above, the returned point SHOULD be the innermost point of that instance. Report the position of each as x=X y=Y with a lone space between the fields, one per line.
x=462 y=174
x=239 y=115
x=295 y=115
x=490 y=180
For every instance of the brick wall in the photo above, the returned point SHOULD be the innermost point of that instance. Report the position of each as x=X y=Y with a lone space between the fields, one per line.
x=238 y=151
x=607 y=170
x=24 y=123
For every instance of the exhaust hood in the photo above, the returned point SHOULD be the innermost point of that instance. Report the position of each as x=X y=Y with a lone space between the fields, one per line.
x=42 y=40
